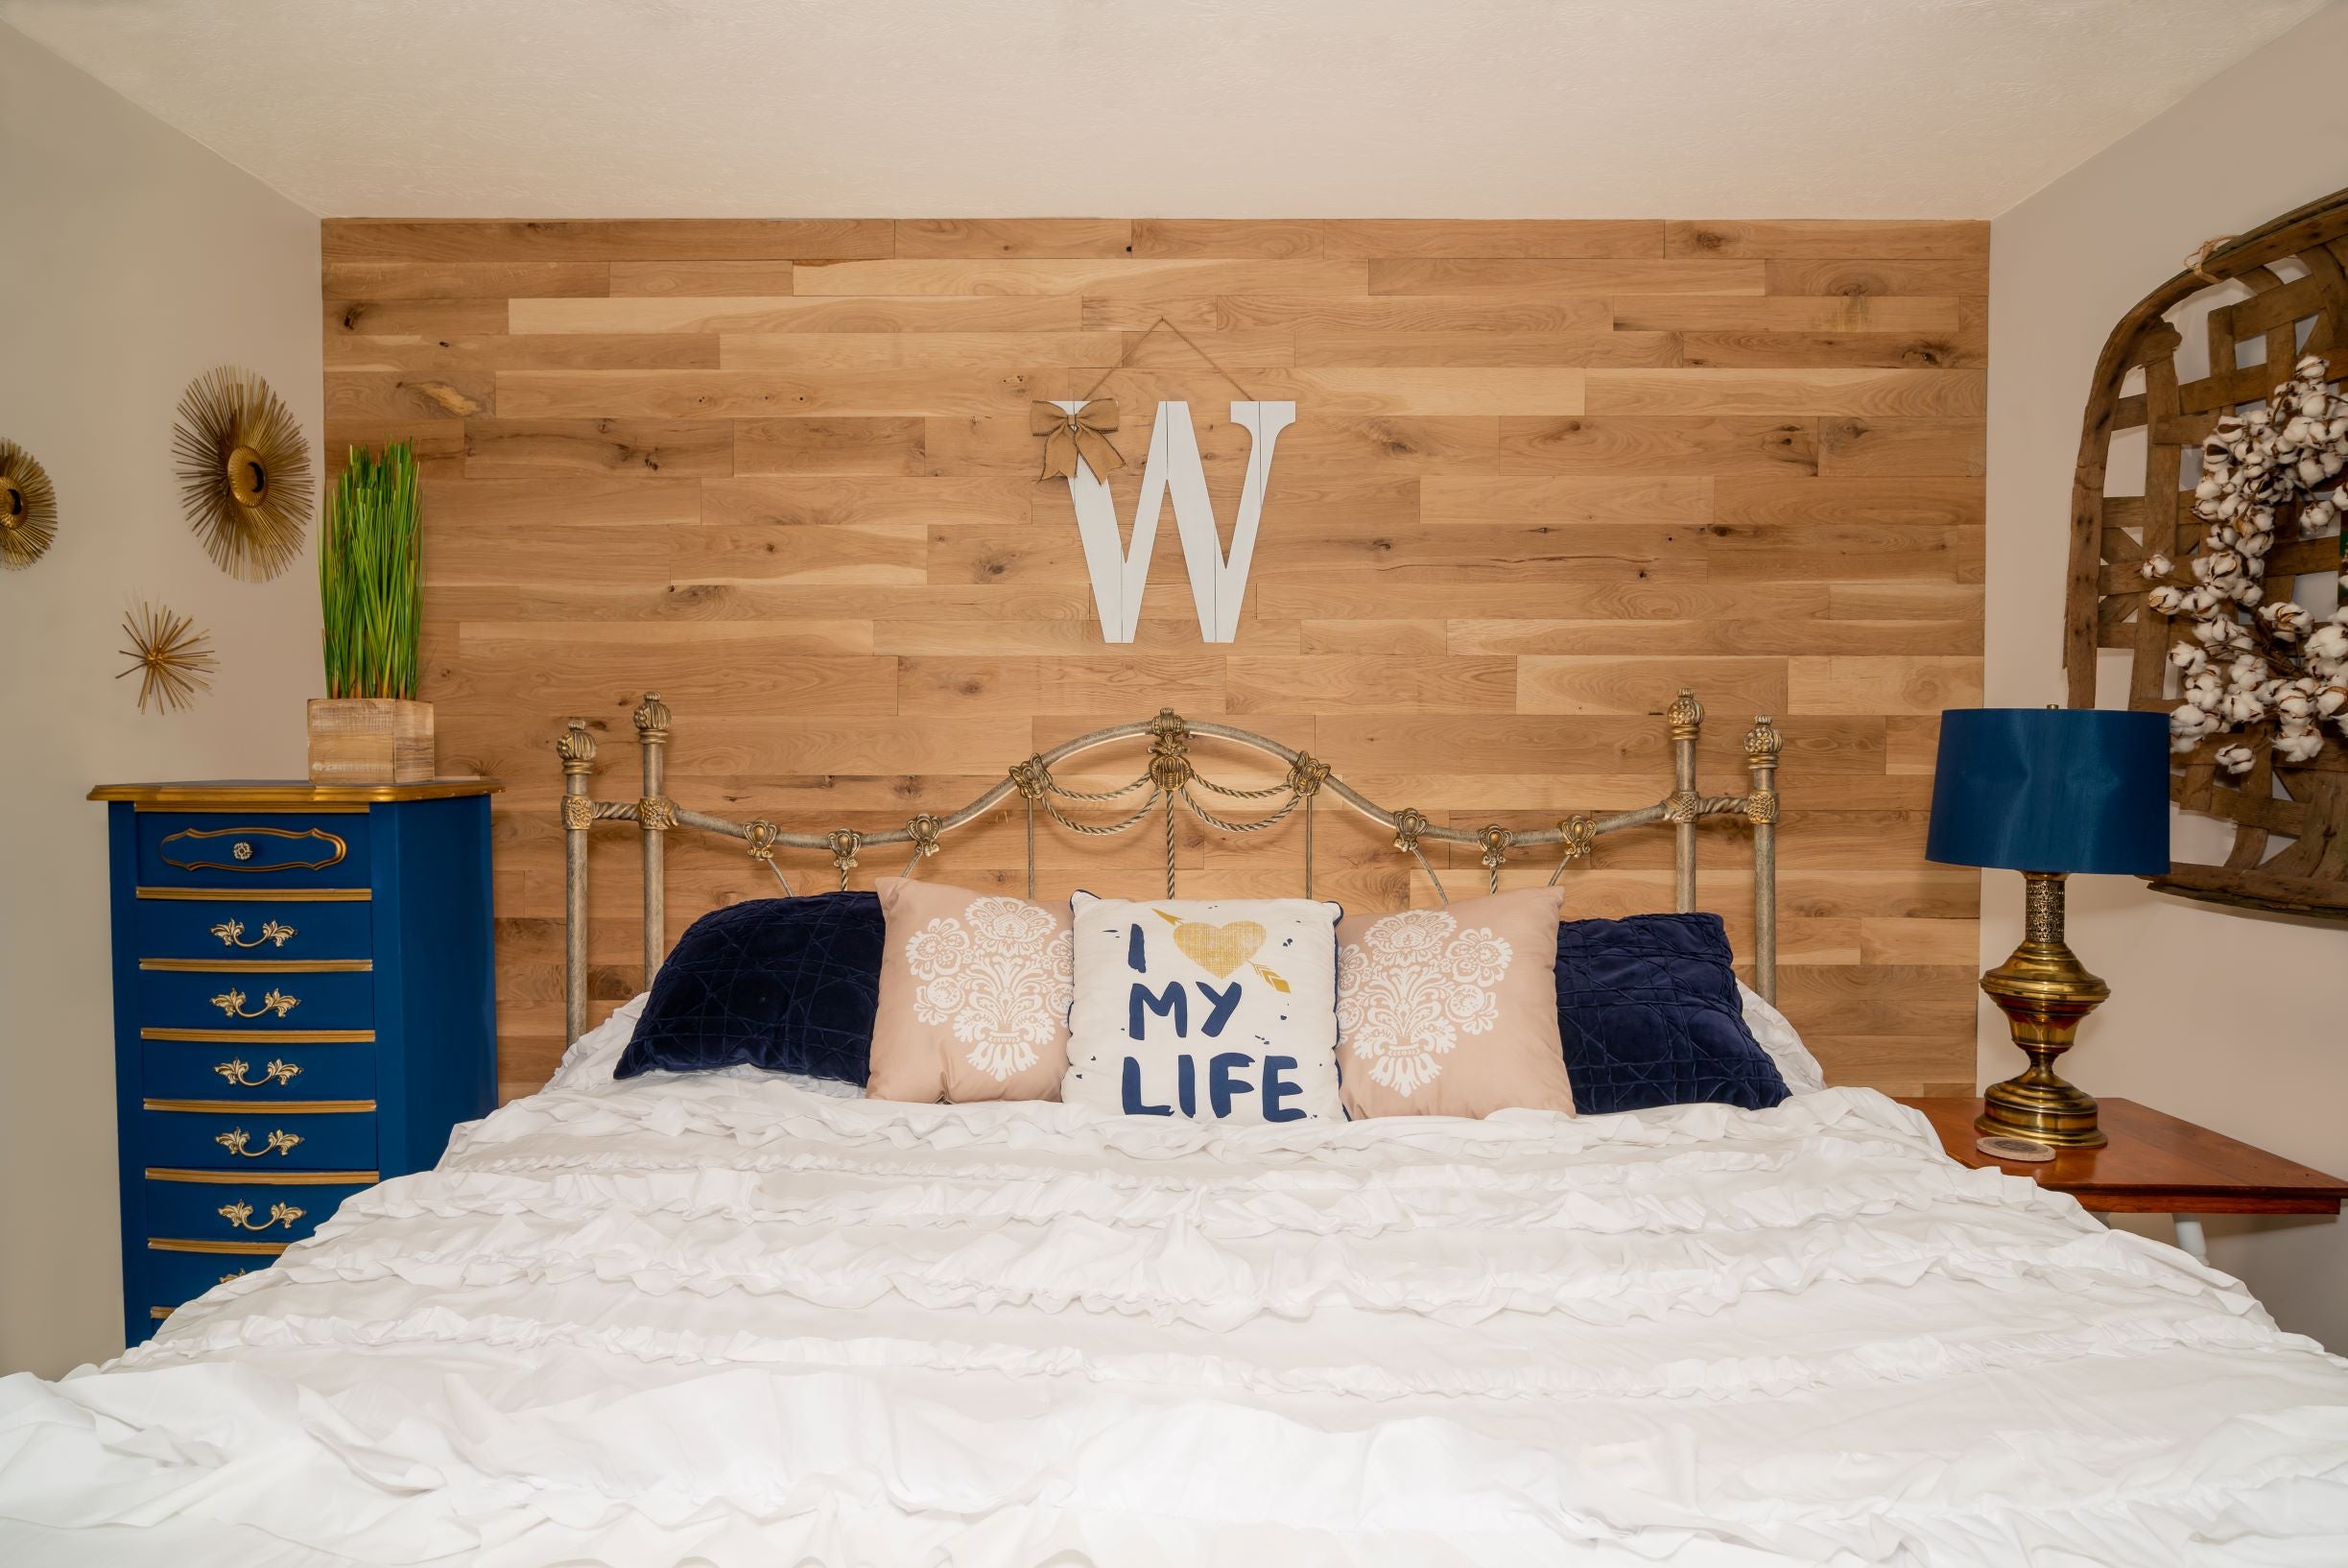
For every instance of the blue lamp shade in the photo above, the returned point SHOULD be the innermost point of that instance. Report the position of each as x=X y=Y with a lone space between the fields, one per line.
x=2053 y=790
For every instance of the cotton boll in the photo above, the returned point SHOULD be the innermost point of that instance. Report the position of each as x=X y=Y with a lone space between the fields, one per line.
x=2294 y=706
x=2237 y=759
x=2242 y=707
x=2328 y=644
x=2206 y=691
x=2255 y=546
x=2165 y=601
x=2157 y=565
x=2286 y=620
x=2187 y=725
x=2300 y=746
x=2188 y=658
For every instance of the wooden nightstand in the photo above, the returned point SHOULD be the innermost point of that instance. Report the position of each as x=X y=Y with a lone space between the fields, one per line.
x=2155 y=1164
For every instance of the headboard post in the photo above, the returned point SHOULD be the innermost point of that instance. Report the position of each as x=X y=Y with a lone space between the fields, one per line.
x=1761 y=743
x=655 y=814
x=577 y=748
x=1683 y=808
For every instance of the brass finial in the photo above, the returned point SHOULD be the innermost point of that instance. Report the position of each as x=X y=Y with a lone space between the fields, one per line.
x=1170 y=766
x=651 y=716
x=1495 y=840
x=577 y=748
x=1763 y=743
x=923 y=830
x=1409 y=823
x=844 y=842
x=1687 y=714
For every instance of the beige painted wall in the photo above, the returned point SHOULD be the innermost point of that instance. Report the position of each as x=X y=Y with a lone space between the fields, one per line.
x=135 y=260
x=2234 y=1020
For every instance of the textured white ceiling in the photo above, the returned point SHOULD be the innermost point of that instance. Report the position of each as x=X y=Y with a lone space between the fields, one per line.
x=1163 y=108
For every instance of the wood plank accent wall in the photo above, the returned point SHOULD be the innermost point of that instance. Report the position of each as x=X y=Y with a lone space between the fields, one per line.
x=1542 y=473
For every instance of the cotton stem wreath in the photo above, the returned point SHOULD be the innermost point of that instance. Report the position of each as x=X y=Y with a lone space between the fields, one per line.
x=2267 y=671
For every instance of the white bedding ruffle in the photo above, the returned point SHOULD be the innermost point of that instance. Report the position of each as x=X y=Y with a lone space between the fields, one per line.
x=629 y=1323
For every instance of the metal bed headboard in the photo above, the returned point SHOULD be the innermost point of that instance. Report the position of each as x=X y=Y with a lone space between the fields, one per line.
x=1168 y=778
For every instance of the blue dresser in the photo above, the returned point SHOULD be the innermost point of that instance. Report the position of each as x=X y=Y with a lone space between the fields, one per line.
x=304 y=1003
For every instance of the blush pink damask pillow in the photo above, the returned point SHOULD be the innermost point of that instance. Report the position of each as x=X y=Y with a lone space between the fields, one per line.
x=1452 y=1011
x=974 y=996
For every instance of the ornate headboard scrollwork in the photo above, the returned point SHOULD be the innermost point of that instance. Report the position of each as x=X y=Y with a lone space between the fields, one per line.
x=1171 y=777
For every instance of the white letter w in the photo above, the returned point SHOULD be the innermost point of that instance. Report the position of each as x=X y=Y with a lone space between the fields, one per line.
x=1217 y=585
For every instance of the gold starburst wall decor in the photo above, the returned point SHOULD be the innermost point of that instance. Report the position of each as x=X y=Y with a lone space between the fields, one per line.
x=173 y=660
x=243 y=472
x=27 y=508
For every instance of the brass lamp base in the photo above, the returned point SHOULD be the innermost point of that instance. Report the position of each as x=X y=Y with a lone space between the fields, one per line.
x=2044 y=991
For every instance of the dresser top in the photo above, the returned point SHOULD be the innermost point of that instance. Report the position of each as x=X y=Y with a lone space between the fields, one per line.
x=213 y=794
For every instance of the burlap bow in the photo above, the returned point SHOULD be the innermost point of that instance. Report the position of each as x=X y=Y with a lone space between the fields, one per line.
x=1074 y=436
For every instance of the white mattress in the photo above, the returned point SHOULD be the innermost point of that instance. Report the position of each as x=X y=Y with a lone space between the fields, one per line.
x=629 y=1323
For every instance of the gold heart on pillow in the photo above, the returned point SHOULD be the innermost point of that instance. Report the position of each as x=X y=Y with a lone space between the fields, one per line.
x=1218 y=949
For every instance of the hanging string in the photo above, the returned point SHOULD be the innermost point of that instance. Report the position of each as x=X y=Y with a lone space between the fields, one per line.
x=2198 y=262
x=1126 y=359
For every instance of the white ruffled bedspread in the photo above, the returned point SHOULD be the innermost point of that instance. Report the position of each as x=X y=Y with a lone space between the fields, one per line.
x=728 y=1321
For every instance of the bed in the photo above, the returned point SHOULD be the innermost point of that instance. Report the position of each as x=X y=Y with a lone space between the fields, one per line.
x=727 y=1319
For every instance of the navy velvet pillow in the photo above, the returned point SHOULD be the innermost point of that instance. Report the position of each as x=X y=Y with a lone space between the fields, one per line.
x=789 y=984
x=1649 y=1014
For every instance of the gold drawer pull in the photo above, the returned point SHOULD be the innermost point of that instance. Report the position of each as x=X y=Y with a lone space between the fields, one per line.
x=232 y=1003
x=239 y=1274
x=239 y=1215
x=231 y=934
x=280 y=1142
x=277 y=1072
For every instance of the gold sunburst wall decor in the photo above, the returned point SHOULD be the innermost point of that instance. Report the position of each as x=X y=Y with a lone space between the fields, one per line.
x=172 y=659
x=243 y=472
x=27 y=508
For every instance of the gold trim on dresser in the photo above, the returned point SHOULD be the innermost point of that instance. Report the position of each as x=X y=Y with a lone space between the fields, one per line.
x=240 y=851
x=183 y=1243
x=259 y=966
x=276 y=1108
x=288 y=1179
x=260 y=896
x=238 y=794
x=276 y=1037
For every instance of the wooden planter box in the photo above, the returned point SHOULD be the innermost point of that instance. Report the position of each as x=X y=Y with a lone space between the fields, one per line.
x=370 y=740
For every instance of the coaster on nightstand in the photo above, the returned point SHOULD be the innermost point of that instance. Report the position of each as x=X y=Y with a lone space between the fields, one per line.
x=2020 y=1150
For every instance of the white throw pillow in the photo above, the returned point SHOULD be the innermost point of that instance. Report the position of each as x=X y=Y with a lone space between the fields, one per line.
x=1218 y=1010
x=1777 y=1036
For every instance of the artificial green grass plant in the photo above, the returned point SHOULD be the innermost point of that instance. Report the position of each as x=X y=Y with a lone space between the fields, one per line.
x=367 y=588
